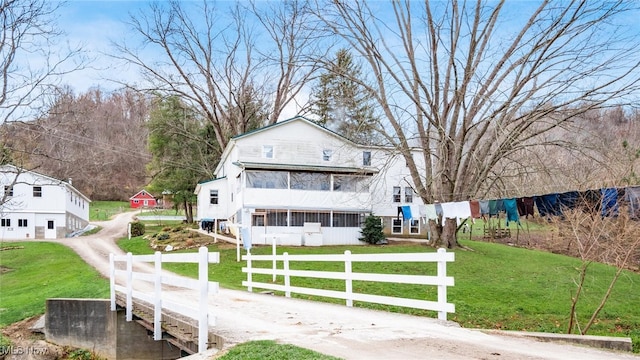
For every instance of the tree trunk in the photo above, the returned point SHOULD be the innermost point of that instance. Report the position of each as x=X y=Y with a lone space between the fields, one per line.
x=188 y=211
x=444 y=236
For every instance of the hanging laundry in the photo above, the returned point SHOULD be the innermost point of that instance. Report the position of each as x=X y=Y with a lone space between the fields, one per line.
x=632 y=195
x=525 y=206
x=438 y=209
x=415 y=212
x=493 y=208
x=548 y=205
x=609 y=201
x=484 y=207
x=459 y=210
x=475 y=209
x=430 y=212
x=406 y=212
x=568 y=200
x=590 y=201
x=511 y=208
x=500 y=205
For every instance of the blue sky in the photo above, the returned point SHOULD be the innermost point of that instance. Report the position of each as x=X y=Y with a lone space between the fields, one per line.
x=94 y=25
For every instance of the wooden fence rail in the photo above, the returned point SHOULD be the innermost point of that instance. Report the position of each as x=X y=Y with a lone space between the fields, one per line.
x=441 y=280
x=205 y=287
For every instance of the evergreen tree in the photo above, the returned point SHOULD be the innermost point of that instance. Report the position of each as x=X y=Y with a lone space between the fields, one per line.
x=372 y=231
x=182 y=151
x=341 y=104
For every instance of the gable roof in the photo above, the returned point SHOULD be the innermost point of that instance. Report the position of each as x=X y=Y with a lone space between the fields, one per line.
x=142 y=193
x=288 y=121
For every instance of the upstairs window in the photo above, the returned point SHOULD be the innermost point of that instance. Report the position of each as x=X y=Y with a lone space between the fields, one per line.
x=5 y=222
x=326 y=154
x=213 y=197
x=22 y=222
x=366 y=158
x=267 y=151
x=408 y=194
x=396 y=194
x=8 y=190
x=37 y=191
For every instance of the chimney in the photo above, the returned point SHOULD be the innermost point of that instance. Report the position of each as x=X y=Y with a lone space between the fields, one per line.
x=70 y=182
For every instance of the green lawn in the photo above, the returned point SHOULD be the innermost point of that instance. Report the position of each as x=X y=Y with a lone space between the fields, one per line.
x=270 y=350
x=496 y=286
x=35 y=271
x=104 y=210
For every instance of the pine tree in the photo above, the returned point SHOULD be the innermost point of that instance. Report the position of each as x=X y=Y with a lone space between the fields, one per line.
x=341 y=104
x=372 y=231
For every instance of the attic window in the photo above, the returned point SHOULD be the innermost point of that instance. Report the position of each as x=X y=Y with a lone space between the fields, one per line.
x=326 y=154
x=267 y=151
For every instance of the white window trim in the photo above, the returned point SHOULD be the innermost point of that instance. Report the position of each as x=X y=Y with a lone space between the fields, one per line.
x=411 y=226
x=401 y=226
x=268 y=149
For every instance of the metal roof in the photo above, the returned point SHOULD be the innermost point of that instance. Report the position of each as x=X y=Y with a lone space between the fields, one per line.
x=304 y=167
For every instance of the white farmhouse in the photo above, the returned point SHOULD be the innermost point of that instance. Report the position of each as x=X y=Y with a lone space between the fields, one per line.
x=300 y=179
x=38 y=206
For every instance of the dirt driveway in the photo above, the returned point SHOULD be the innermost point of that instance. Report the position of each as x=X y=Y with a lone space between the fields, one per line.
x=348 y=333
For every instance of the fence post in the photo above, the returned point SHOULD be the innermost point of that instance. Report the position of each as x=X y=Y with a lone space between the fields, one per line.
x=249 y=275
x=129 y=286
x=112 y=281
x=203 y=277
x=287 y=280
x=347 y=278
x=442 y=287
x=157 y=306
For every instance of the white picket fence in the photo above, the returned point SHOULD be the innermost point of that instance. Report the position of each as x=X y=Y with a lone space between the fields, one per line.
x=205 y=287
x=441 y=280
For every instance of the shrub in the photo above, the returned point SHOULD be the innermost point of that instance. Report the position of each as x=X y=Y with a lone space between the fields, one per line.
x=137 y=229
x=372 y=231
x=163 y=236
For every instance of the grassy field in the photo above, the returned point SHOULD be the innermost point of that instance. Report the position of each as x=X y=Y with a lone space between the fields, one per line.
x=104 y=210
x=496 y=286
x=32 y=272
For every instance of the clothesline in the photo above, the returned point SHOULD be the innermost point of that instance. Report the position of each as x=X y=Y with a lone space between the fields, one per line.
x=605 y=200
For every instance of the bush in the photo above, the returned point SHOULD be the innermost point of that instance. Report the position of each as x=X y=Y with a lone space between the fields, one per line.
x=372 y=231
x=137 y=229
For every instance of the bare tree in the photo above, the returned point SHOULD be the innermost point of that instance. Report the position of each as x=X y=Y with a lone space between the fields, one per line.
x=33 y=59
x=593 y=238
x=97 y=139
x=473 y=83
x=209 y=58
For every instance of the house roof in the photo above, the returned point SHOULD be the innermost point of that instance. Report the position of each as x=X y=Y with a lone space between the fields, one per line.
x=295 y=118
x=199 y=185
x=142 y=193
x=17 y=170
x=304 y=167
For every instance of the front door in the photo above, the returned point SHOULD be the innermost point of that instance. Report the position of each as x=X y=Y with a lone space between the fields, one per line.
x=50 y=230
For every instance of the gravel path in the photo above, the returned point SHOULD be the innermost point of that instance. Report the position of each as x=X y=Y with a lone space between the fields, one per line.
x=348 y=333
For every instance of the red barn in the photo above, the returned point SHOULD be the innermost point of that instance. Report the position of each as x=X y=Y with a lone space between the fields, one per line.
x=142 y=199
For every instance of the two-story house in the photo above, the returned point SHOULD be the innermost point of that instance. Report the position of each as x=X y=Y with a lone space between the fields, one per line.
x=298 y=178
x=38 y=206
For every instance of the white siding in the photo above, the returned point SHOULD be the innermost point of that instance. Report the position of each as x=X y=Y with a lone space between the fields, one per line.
x=299 y=143
x=54 y=203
